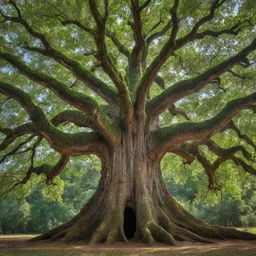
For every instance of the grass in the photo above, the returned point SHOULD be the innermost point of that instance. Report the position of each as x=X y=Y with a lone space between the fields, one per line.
x=187 y=250
x=248 y=229
x=18 y=235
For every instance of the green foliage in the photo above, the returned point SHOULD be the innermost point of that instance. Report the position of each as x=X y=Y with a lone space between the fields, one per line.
x=41 y=207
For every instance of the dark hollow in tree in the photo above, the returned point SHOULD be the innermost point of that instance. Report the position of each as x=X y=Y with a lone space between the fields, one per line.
x=102 y=61
x=129 y=222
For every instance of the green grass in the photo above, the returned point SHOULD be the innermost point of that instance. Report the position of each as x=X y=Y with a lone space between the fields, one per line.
x=18 y=235
x=248 y=229
x=208 y=250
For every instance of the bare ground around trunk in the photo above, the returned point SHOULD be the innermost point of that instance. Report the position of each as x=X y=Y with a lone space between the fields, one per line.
x=19 y=245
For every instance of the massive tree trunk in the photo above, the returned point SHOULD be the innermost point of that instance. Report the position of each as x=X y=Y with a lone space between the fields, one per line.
x=132 y=201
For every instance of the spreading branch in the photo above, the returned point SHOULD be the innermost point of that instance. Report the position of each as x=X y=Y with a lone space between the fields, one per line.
x=13 y=134
x=122 y=49
x=91 y=81
x=78 y=24
x=172 y=109
x=108 y=64
x=165 y=138
x=80 y=101
x=171 y=46
x=192 y=151
x=16 y=149
x=151 y=72
x=232 y=126
x=68 y=144
x=183 y=88
x=50 y=171
x=138 y=33
x=74 y=116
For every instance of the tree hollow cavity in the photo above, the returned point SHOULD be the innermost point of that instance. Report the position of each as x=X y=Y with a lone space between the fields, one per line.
x=129 y=222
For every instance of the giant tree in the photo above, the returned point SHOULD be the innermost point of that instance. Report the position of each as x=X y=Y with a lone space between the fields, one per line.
x=112 y=71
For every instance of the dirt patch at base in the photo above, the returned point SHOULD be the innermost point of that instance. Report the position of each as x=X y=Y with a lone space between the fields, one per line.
x=12 y=246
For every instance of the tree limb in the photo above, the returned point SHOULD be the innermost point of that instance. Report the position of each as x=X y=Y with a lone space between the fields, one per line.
x=122 y=49
x=50 y=171
x=68 y=144
x=151 y=72
x=172 y=109
x=232 y=126
x=161 y=33
x=165 y=138
x=91 y=81
x=15 y=150
x=191 y=151
x=80 y=101
x=168 y=49
x=12 y=134
x=78 y=24
x=138 y=33
x=74 y=116
x=108 y=64
x=183 y=88
x=144 y=5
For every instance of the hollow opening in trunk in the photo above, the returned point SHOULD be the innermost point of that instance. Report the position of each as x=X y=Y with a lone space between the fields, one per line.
x=129 y=222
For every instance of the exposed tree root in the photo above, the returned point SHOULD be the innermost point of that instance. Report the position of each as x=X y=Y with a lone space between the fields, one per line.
x=155 y=229
x=159 y=218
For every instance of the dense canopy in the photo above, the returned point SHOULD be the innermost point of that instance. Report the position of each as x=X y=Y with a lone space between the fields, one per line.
x=128 y=81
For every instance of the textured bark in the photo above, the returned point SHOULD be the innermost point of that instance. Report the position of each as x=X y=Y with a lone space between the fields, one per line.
x=129 y=178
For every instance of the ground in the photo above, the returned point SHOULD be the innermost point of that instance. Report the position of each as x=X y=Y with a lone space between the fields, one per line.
x=19 y=246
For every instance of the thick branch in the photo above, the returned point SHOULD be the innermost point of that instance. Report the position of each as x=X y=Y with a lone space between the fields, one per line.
x=74 y=116
x=122 y=49
x=68 y=144
x=183 y=88
x=223 y=152
x=138 y=33
x=168 y=49
x=191 y=151
x=92 y=82
x=79 y=71
x=78 y=24
x=108 y=64
x=166 y=138
x=151 y=72
x=80 y=101
x=144 y=5
x=199 y=23
x=172 y=109
x=48 y=170
x=245 y=166
x=161 y=33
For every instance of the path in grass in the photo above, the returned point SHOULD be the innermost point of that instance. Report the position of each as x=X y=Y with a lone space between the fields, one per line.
x=19 y=246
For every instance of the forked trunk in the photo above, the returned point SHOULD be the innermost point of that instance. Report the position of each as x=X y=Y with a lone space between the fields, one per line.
x=132 y=201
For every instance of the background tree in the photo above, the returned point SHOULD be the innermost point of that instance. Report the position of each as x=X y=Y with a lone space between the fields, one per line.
x=112 y=71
